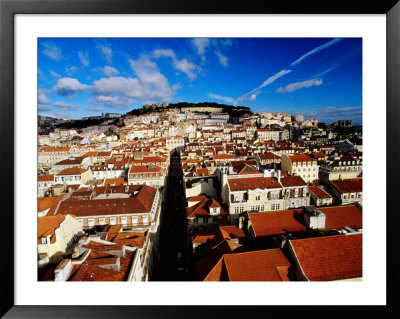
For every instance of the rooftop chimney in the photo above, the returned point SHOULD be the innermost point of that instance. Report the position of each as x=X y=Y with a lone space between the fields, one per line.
x=314 y=218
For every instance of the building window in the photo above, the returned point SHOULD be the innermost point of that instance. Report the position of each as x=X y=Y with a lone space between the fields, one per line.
x=344 y=196
x=275 y=206
x=44 y=240
x=91 y=222
x=124 y=220
x=113 y=220
x=134 y=220
x=258 y=197
x=102 y=221
x=145 y=219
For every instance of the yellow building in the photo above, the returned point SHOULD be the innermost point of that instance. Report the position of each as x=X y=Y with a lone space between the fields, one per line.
x=301 y=165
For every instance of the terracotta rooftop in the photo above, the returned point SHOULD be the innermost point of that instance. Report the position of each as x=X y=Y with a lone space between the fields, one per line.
x=290 y=181
x=202 y=208
x=114 y=181
x=330 y=258
x=348 y=185
x=241 y=184
x=72 y=171
x=277 y=222
x=225 y=232
x=224 y=157
x=89 y=271
x=318 y=192
x=71 y=161
x=337 y=217
x=49 y=202
x=301 y=158
x=141 y=203
x=55 y=149
x=268 y=156
x=144 y=169
x=47 y=226
x=45 y=178
x=261 y=265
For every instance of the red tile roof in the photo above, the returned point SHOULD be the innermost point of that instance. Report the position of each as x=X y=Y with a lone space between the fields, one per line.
x=224 y=157
x=202 y=208
x=241 y=184
x=277 y=222
x=72 y=171
x=268 y=156
x=49 y=202
x=114 y=181
x=301 y=158
x=45 y=178
x=222 y=232
x=261 y=265
x=71 y=161
x=291 y=181
x=141 y=203
x=318 y=192
x=331 y=257
x=348 y=185
x=144 y=169
x=55 y=149
x=337 y=217
x=89 y=271
x=47 y=225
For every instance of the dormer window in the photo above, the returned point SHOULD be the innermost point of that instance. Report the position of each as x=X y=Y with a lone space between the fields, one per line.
x=44 y=240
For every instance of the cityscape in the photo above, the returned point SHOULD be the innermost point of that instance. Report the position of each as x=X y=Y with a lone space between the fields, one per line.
x=200 y=159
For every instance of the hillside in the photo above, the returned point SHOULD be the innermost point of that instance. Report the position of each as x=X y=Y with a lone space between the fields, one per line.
x=233 y=111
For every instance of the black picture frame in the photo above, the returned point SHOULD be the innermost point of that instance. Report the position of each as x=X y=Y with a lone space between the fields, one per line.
x=8 y=8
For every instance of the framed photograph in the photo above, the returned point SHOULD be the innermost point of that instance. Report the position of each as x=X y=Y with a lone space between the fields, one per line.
x=143 y=36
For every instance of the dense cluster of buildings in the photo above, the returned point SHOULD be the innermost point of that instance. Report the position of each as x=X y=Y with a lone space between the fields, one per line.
x=269 y=197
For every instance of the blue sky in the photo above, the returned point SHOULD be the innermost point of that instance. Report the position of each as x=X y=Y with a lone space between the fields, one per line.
x=316 y=77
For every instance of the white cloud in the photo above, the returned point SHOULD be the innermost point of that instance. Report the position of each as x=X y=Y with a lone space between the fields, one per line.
x=158 y=53
x=65 y=106
x=222 y=59
x=84 y=57
x=150 y=84
x=226 y=99
x=116 y=102
x=201 y=44
x=190 y=69
x=315 y=50
x=106 y=51
x=54 y=74
x=71 y=70
x=109 y=71
x=185 y=66
x=299 y=85
x=271 y=79
x=42 y=98
x=69 y=87
x=118 y=85
x=52 y=51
